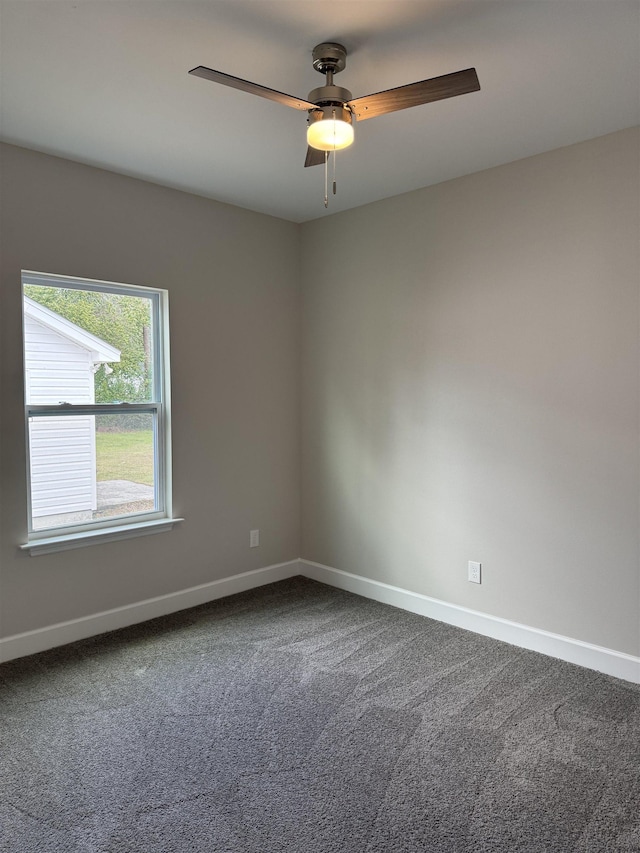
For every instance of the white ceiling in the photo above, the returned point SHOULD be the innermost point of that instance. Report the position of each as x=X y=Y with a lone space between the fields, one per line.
x=106 y=83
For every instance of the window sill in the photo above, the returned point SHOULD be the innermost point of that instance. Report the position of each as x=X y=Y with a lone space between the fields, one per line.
x=95 y=537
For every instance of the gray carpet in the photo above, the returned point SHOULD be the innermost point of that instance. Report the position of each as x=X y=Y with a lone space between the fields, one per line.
x=303 y=719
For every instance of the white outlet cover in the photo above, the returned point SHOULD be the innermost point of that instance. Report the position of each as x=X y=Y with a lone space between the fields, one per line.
x=475 y=572
x=254 y=538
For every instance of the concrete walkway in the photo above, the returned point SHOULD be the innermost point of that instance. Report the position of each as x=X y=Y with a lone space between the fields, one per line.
x=116 y=492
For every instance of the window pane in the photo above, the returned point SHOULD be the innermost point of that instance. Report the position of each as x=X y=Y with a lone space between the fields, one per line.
x=85 y=468
x=85 y=346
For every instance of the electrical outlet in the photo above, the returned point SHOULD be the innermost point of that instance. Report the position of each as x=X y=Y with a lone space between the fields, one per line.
x=254 y=538
x=475 y=572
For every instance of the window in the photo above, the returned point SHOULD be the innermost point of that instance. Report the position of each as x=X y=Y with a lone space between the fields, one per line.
x=97 y=413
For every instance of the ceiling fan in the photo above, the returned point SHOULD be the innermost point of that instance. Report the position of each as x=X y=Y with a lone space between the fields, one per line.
x=332 y=110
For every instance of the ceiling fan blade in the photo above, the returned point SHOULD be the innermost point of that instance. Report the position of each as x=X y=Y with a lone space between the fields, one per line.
x=252 y=88
x=435 y=89
x=314 y=157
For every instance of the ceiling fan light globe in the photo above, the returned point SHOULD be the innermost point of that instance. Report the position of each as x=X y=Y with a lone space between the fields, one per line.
x=330 y=134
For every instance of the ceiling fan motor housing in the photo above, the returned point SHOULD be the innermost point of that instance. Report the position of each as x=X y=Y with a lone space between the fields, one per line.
x=325 y=95
x=329 y=58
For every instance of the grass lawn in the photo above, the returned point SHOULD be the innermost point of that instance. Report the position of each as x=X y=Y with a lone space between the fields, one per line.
x=125 y=456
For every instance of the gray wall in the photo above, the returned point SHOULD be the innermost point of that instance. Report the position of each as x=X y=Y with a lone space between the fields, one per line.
x=469 y=387
x=232 y=277
x=470 y=391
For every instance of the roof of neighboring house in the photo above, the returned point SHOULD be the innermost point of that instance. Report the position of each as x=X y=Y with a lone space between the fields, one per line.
x=100 y=350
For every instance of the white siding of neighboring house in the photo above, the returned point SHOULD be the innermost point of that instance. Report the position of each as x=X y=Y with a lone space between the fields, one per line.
x=63 y=450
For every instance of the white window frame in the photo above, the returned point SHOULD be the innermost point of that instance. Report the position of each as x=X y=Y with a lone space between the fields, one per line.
x=159 y=519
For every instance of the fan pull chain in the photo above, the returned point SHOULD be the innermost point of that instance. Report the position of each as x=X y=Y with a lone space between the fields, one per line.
x=334 y=152
x=326 y=179
x=334 y=172
x=326 y=166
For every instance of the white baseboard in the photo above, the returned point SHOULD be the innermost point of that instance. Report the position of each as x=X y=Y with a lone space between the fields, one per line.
x=604 y=660
x=608 y=661
x=30 y=642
